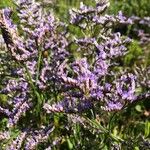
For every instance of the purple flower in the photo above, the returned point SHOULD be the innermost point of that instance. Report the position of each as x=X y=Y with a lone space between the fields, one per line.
x=126 y=87
x=61 y=72
x=5 y=111
x=101 y=67
x=17 y=143
x=112 y=106
x=17 y=113
x=4 y=135
x=38 y=137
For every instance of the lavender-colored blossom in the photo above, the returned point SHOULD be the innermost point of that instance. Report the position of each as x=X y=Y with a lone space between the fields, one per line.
x=46 y=74
x=17 y=113
x=107 y=87
x=122 y=19
x=68 y=106
x=84 y=9
x=14 y=85
x=38 y=137
x=19 y=99
x=143 y=76
x=126 y=87
x=85 y=41
x=4 y=135
x=144 y=37
x=13 y=41
x=7 y=13
x=145 y=21
x=17 y=143
x=4 y=111
x=78 y=15
x=102 y=20
x=53 y=108
x=111 y=106
x=86 y=82
x=101 y=67
x=31 y=66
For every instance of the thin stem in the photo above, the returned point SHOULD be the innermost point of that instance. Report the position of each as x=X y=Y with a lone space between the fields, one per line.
x=39 y=62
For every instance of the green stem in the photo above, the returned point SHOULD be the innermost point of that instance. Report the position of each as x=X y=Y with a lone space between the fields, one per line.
x=38 y=64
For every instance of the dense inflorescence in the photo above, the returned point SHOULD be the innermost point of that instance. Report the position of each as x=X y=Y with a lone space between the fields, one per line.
x=48 y=76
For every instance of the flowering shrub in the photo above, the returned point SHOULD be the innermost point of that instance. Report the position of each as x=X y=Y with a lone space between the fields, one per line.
x=60 y=85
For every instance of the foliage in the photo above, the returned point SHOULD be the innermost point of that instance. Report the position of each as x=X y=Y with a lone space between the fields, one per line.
x=134 y=52
x=134 y=7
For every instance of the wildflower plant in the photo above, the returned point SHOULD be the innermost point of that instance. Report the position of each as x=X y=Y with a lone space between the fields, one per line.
x=63 y=88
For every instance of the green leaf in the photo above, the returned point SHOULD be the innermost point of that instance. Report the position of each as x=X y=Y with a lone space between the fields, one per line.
x=70 y=145
x=138 y=108
x=147 y=128
x=136 y=148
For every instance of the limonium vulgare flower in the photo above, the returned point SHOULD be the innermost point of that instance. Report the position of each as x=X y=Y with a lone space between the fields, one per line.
x=48 y=77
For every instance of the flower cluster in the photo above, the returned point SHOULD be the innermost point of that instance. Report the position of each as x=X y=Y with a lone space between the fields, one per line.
x=48 y=77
